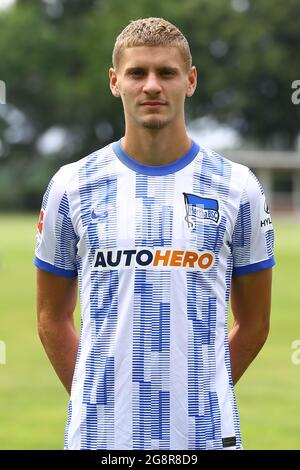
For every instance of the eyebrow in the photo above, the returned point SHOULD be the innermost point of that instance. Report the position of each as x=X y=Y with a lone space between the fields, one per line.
x=159 y=69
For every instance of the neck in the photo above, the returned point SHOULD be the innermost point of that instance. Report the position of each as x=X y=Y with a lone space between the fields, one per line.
x=156 y=146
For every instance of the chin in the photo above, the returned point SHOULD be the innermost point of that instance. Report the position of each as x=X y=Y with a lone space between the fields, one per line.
x=154 y=124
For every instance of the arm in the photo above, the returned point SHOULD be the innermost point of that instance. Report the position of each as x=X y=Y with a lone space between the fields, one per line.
x=251 y=304
x=56 y=301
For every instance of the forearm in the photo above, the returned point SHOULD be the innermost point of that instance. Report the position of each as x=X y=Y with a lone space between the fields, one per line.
x=60 y=341
x=245 y=343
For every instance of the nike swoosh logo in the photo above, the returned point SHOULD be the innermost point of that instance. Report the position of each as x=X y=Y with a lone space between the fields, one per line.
x=99 y=216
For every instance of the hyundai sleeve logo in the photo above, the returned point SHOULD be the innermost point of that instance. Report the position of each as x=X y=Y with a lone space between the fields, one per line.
x=267 y=210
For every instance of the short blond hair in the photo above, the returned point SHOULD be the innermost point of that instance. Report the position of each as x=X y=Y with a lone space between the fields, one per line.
x=151 y=32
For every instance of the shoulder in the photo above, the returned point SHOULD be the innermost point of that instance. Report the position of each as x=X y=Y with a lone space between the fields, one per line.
x=70 y=174
x=222 y=168
x=218 y=162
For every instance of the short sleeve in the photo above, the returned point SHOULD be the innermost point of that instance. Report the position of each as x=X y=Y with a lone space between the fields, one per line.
x=56 y=240
x=253 y=237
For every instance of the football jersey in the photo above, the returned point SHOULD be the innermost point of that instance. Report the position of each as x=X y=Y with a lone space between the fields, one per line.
x=154 y=248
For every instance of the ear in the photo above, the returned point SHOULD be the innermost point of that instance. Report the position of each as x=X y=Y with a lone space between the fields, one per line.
x=192 y=81
x=113 y=82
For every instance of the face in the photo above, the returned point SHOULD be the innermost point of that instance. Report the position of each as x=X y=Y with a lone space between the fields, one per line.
x=153 y=83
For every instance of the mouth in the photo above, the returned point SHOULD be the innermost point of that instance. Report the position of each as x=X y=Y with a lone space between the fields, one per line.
x=153 y=104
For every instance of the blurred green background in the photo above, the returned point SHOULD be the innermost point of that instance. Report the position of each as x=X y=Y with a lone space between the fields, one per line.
x=55 y=56
x=54 y=60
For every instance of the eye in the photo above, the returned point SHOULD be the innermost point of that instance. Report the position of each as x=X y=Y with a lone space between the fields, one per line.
x=167 y=73
x=136 y=73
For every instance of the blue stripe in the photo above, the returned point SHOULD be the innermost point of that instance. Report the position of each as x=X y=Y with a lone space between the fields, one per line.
x=53 y=269
x=46 y=195
x=65 y=250
x=156 y=170
x=206 y=203
x=253 y=268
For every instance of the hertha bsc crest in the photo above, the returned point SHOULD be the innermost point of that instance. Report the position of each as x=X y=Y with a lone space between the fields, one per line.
x=201 y=208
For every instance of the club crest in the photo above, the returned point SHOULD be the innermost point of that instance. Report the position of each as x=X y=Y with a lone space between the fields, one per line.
x=201 y=208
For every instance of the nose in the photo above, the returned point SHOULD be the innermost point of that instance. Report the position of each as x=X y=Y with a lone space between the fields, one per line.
x=152 y=84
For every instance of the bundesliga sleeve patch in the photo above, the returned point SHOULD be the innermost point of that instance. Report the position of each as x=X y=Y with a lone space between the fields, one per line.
x=41 y=222
x=153 y=258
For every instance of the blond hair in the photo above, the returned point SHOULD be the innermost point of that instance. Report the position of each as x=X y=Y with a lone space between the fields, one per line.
x=151 y=32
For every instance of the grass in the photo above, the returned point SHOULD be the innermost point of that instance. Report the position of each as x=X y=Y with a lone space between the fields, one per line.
x=268 y=394
x=33 y=403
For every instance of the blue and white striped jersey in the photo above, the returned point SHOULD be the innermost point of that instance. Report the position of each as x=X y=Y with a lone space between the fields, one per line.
x=155 y=248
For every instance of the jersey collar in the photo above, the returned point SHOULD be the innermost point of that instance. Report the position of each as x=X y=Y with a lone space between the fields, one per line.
x=155 y=170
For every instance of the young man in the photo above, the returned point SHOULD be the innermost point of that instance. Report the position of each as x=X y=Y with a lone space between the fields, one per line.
x=158 y=231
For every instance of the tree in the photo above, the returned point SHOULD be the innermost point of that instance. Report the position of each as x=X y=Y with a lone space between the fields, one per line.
x=55 y=58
